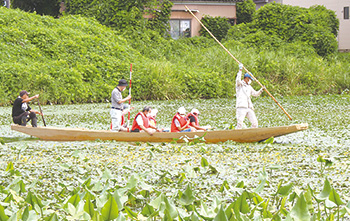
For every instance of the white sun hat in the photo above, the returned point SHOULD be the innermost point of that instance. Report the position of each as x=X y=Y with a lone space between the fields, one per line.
x=181 y=110
x=195 y=111
x=154 y=112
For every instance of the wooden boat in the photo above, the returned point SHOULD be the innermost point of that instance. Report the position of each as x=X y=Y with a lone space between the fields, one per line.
x=75 y=134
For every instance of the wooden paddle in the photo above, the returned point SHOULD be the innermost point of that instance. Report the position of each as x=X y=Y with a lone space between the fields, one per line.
x=238 y=62
x=41 y=111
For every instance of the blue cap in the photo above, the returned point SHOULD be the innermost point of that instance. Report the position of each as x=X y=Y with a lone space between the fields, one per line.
x=249 y=76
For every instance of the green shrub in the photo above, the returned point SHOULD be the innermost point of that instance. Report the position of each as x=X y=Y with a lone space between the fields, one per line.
x=291 y=23
x=245 y=11
x=75 y=60
x=218 y=26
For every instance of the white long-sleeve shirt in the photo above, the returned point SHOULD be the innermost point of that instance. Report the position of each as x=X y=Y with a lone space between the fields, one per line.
x=243 y=93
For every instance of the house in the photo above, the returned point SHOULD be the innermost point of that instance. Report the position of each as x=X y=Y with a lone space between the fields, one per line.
x=341 y=8
x=182 y=23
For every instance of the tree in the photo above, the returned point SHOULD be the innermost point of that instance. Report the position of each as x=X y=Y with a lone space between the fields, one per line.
x=245 y=11
x=41 y=7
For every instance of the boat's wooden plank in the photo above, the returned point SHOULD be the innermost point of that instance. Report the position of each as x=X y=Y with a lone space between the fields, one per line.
x=80 y=134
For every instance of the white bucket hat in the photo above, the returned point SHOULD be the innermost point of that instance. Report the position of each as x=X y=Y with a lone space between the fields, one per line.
x=181 y=110
x=195 y=111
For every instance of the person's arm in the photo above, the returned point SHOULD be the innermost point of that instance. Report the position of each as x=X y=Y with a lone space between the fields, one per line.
x=150 y=132
x=184 y=127
x=193 y=124
x=239 y=76
x=30 y=98
x=257 y=93
x=124 y=99
x=37 y=112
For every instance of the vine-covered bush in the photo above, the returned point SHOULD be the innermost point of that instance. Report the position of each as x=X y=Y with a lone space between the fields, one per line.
x=245 y=11
x=218 y=26
x=75 y=59
x=316 y=26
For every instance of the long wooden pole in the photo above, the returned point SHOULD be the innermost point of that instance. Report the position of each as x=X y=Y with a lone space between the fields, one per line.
x=238 y=62
x=129 y=95
x=41 y=111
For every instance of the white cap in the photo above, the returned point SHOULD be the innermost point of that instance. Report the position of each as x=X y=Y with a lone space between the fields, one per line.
x=195 y=111
x=181 y=110
x=154 y=112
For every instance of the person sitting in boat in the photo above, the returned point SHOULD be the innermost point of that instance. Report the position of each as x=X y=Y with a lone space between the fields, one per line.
x=244 y=105
x=152 y=120
x=21 y=112
x=141 y=122
x=194 y=121
x=180 y=123
x=117 y=106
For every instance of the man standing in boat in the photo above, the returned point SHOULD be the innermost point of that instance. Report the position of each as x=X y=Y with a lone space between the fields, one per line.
x=244 y=105
x=117 y=106
x=21 y=112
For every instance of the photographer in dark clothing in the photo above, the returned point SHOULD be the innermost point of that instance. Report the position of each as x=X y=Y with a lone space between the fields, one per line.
x=21 y=112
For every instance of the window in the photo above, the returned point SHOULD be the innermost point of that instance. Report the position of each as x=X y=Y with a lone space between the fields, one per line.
x=180 y=28
x=346 y=12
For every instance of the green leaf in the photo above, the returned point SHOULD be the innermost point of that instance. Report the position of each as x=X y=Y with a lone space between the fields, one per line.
x=130 y=213
x=3 y=216
x=230 y=212
x=121 y=217
x=270 y=140
x=110 y=210
x=300 y=211
x=241 y=204
x=147 y=210
x=170 y=207
x=52 y=217
x=320 y=159
x=187 y=197
x=213 y=170
x=260 y=187
x=33 y=200
x=157 y=201
x=120 y=199
x=285 y=190
x=132 y=182
x=9 y=166
x=204 y=162
x=89 y=208
x=107 y=174
x=334 y=197
x=240 y=184
x=324 y=194
x=224 y=186
x=221 y=216
x=74 y=200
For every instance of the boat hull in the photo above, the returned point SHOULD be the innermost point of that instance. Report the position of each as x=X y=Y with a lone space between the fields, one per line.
x=74 y=134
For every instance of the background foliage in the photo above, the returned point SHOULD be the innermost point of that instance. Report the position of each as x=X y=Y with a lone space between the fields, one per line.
x=218 y=26
x=316 y=26
x=124 y=15
x=76 y=59
x=41 y=7
x=245 y=11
